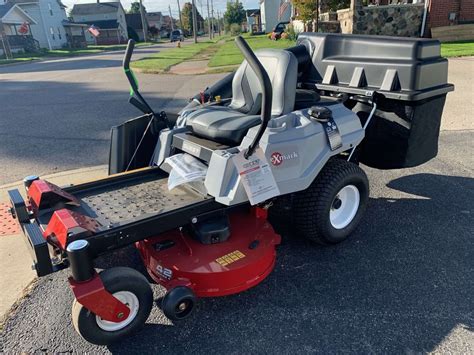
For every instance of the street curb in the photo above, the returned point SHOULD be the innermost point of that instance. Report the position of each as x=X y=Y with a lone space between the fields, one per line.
x=60 y=174
x=18 y=280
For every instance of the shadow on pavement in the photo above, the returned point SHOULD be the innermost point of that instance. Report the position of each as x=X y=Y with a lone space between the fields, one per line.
x=41 y=133
x=402 y=283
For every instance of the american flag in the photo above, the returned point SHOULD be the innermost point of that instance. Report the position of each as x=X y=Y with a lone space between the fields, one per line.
x=94 y=31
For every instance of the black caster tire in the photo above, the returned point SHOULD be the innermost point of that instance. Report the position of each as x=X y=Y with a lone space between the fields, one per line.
x=331 y=208
x=130 y=287
x=178 y=303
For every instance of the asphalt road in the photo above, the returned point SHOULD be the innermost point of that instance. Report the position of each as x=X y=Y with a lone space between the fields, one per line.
x=403 y=282
x=56 y=115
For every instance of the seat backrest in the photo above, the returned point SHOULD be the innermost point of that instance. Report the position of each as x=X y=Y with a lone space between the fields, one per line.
x=282 y=68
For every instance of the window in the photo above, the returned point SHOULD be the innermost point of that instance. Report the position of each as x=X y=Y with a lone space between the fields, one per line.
x=50 y=9
x=51 y=30
x=59 y=33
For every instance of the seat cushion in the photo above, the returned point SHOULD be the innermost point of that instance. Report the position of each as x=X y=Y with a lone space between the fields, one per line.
x=221 y=124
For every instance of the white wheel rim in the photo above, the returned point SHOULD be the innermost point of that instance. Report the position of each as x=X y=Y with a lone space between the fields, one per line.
x=131 y=301
x=344 y=207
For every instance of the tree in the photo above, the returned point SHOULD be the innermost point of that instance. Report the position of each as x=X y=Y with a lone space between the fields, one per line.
x=135 y=8
x=187 y=17
x=235 y=13
x=306 y=10
x=335 y=5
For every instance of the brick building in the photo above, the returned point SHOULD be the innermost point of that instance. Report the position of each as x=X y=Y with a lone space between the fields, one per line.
x=450 y=12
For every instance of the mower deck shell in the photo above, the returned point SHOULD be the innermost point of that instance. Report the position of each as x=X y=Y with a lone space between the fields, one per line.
x=221 y=269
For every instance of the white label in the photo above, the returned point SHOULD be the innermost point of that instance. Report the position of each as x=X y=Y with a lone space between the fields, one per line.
x=256 y=176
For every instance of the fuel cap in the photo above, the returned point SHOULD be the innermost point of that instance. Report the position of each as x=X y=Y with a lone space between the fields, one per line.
x=320 y=113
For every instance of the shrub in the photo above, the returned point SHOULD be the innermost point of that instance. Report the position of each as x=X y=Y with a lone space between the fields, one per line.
x=291 y=33
x=235 y=29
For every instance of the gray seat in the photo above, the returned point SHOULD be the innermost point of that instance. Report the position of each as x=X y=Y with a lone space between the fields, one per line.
x=229 y=124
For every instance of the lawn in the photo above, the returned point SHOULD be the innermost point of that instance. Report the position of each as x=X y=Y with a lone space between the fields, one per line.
x=163 y=60
x=24 y=57
x=15 y=60
x=457 y=49
x=229 y=54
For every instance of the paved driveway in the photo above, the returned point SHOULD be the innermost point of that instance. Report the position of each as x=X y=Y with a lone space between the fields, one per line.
x=56 y=115
x=403 y=283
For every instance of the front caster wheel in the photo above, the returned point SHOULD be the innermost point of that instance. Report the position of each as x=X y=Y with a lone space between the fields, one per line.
x=333 y=205
x=178 y=303
x=131 y=288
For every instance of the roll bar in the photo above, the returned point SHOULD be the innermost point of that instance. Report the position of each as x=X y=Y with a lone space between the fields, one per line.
x=267 y=91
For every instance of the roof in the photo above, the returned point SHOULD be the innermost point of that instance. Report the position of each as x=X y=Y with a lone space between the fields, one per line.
x=134 y=21
x=67 y=23
x=154 y=15
x=4 y=9
x=252 y=12
x=95 y=8
x=104 y=24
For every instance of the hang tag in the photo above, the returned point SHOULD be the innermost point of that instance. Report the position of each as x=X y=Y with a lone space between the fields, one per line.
x=257 y=177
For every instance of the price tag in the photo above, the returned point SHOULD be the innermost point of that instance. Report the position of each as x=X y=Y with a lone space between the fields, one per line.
x=257 y=177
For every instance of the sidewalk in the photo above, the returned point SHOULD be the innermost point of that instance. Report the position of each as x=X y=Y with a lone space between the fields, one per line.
x=15 y=261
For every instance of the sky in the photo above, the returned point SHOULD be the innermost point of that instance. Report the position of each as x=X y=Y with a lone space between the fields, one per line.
x=162 y=5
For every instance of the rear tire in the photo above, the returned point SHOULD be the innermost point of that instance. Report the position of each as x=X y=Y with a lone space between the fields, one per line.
x=132 y=288
x=330 y=209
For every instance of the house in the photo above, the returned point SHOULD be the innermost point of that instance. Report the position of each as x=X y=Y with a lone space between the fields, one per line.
x=49 y=16
x=446 y=20
x=107 y=17
x=155 y=19
x=254 y=22
x=274 y=11
x=135 y=26
x=15 y=30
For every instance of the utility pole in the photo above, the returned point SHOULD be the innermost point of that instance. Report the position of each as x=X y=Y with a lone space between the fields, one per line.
x=202 y=16
x=180 y=18
x=209 y=20
x=171 y=19
x=218 y=23
x=144 y=26
x=212 y=17
x=194 y=22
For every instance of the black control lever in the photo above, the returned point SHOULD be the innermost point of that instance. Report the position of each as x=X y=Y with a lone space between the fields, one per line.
x=267 y=91
x=136 y=99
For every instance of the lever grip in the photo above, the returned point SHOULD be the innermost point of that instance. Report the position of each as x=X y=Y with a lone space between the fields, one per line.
x=128 y=54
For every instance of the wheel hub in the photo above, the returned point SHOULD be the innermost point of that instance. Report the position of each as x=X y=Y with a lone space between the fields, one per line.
x=344 y=207
x=131 y=301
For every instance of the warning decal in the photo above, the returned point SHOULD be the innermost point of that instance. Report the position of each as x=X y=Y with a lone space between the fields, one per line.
x=230 y=258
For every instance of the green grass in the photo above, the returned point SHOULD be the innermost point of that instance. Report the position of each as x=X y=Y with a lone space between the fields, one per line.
x=24 y=57
x=229 y=54
x=15 y=60
x=457 y=49
x=162 y=61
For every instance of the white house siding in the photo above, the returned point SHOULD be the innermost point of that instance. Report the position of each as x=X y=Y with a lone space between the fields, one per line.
x=37 y=30
x=118 y=15
x=49 y=31
x=269 y=13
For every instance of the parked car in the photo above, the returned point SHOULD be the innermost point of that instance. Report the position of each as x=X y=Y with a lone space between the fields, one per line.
x=278 y=30
x=177 y=35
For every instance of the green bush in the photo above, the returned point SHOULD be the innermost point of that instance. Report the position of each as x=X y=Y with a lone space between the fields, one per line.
x=292 y=33
x=235 y=29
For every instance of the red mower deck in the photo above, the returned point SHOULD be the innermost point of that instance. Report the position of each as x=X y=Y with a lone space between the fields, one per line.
x=221 y=269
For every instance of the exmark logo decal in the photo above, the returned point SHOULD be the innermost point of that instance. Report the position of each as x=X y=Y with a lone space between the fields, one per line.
x=278 y=158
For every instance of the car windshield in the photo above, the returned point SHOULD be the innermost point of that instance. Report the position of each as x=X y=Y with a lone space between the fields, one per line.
x=176 y=33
